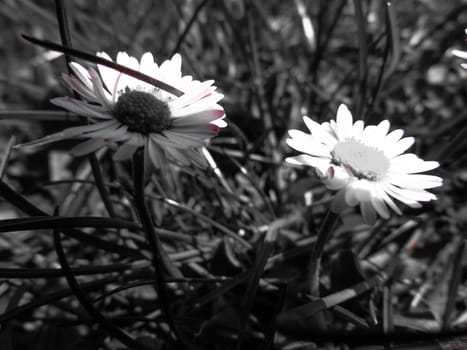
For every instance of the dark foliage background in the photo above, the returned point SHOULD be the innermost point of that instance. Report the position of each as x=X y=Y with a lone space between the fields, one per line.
x=219 y=227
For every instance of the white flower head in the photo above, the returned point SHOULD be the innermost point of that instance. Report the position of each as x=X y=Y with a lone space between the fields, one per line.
x=132 y=113
x=366 y=165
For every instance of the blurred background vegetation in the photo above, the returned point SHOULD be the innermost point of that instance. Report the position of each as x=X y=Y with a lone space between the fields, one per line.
x=275 y=61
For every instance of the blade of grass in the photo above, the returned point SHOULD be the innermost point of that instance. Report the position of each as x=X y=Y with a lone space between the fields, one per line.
x=205 y=218
x=160 y=261
x=31 y=273
x=362 y=56
x=102 y=61
x=27 y=207
x=6 y=155
x=188 y=26
x=257 y=270
x=6 y=333
x=49 y=222
x=117 y=332
x=388 y=314
x=394 y=38
x=64 y=28
x=38 y=115
x=54 y=297
x=454 y=282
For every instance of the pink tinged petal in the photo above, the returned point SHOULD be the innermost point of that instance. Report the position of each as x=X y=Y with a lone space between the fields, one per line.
x=194 y=108
x=87 y=147
x=82 y=74
x=338 y=204
x=124 y=152
x=357 y=129
x=379 y=205
x=79 y=107
x=400 y=147
x=104 y=97
x=344 y=122
x=82 y=130
x=319 y=132
x=382 y=193
x=194 y=95
x=74 y=84
x=200 y=118
x=336 y=178
x=415 y=181
x=368 y=213
x=307 y=144
x=43 y=141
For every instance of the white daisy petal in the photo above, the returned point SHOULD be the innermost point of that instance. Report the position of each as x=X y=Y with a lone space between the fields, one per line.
x=79 y=107
x=357 y=128
x=82 y=74
x=42 y=141
x=81 y=130
x=321 y=164
x=109 y=75
x=317 y=130
x=306 y=143
x=344 y=122
x=400 y=147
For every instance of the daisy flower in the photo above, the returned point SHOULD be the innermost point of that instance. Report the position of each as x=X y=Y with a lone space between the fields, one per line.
x=366 y=165
x=130 y=113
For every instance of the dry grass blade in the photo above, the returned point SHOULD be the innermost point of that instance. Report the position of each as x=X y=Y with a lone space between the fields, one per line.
x=453 y=285
x=102 y=61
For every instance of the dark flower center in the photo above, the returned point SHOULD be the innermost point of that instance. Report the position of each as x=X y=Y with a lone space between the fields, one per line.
x=142 y=112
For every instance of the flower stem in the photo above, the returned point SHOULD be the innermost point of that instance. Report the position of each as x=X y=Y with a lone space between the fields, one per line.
x=159 y=258
x=315 y=260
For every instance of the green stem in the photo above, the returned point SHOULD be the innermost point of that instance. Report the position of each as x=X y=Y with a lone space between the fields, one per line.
x=315 y=260
x=159 y=257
